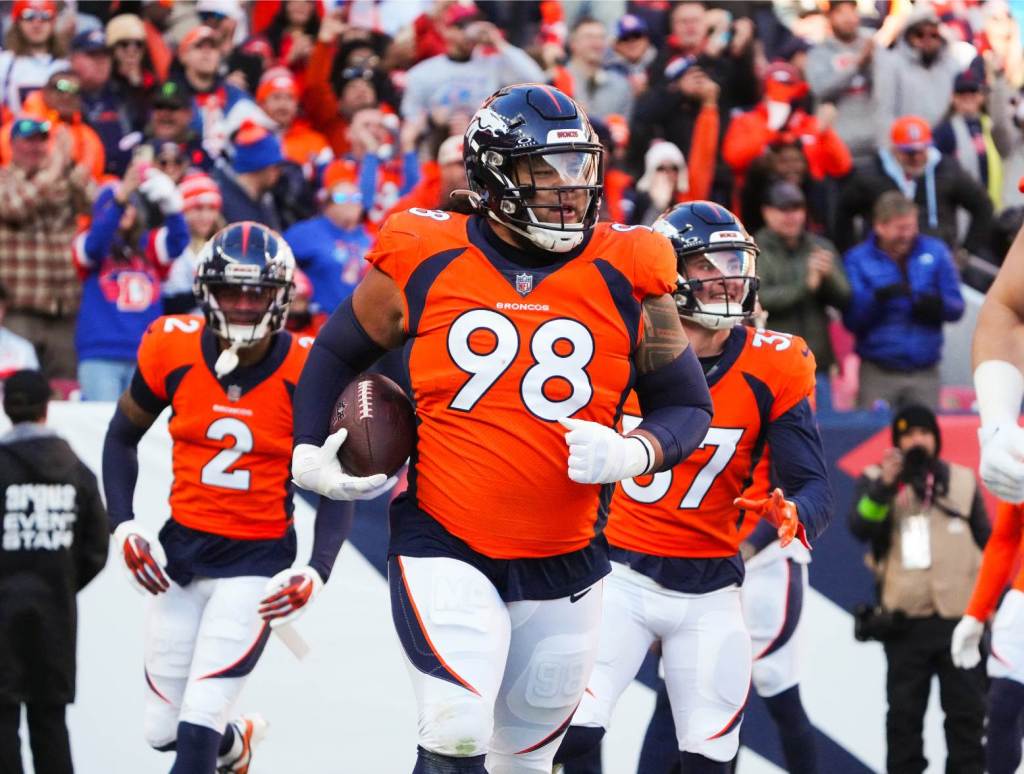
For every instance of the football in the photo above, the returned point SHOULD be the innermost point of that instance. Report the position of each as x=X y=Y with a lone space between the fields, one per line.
x=381 y=426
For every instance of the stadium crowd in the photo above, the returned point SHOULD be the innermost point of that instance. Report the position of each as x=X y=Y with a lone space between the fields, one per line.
x=132 y=130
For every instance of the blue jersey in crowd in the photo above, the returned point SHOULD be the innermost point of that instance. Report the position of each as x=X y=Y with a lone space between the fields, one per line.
x=121 y=283
x=332 y=257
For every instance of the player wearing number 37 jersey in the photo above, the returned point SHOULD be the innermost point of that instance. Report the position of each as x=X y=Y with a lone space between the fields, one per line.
x=228 y=378
x=676 y=567
x=521 y=322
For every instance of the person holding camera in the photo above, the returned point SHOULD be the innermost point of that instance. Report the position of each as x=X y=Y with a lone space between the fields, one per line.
x=926 y=523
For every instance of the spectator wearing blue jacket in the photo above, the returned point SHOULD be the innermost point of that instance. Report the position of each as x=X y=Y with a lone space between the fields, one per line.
x=330 y=248
x=122 y=267
x=905 y=286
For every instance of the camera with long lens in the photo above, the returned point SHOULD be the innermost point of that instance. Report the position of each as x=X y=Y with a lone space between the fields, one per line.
x=871 y=622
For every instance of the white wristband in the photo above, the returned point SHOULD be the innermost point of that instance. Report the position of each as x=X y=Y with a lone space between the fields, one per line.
x=1000 y=389
x=648 y=450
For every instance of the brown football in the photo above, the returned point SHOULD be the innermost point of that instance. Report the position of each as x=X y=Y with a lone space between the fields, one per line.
x=381 y=426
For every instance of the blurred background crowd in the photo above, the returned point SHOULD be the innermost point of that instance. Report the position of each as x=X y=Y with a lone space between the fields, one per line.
x=873 y=149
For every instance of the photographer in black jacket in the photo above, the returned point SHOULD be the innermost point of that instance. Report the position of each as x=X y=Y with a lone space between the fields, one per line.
x=55 y=538
x=926 y=523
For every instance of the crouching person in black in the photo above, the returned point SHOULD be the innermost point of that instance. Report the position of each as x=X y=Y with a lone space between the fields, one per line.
x=55 y=538
x=926 y=523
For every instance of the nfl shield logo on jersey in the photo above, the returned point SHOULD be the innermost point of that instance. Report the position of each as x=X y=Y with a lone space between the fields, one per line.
x=524 y=284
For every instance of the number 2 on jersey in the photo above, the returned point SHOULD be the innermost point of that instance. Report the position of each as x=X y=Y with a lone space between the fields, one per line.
x=486 y=368
x=215 y=472
x=725 y=441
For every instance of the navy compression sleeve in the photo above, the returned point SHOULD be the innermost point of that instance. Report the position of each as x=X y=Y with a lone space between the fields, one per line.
x=343 y=349
x=333 y=523
x=121 y=467
x=798 y=463
x=676 y=406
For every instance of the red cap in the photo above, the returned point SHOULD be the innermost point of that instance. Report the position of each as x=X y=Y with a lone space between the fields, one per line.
x=909 y=133
x=303 y=287
x=459 y=12
x=194 y=36
x=198 y=189
x=275 y=80
x=783 y=83
x=20 y=6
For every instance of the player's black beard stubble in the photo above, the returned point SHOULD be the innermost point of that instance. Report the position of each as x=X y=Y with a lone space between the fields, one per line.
x=522 y=255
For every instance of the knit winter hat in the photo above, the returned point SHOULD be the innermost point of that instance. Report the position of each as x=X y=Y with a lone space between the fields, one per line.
x=256 y=149
x=198 y=190
x=916 y=415
x=274 y=80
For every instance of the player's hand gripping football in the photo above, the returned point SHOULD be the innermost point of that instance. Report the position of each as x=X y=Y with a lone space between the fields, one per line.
x=965 y=645
x=288 y=594
x=601 y=455
x=779 y=512
x=317 y=469
x=144 y=558
x=1002 y=461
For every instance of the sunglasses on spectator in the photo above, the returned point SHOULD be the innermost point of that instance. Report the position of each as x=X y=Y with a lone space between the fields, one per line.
x=632 y=36
x=351 y=73
x=346 y=197
x=922 y=35
x=211 y=17
x=64 y=86
x=34 y=15
x=130 y=44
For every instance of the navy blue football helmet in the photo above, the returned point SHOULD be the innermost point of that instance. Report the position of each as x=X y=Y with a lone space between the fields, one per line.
x=726 y=292
x=245 y=257
x=536 y=165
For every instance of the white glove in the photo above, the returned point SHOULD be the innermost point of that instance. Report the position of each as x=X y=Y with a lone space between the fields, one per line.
x=288 y=594
x=161 y=190
x=1002 y=461
x=600 y=455
x=143 y=556
x=964 y=644
x=317 y=469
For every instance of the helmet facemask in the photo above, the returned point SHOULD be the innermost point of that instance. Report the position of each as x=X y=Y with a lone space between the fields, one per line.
x=717 y=289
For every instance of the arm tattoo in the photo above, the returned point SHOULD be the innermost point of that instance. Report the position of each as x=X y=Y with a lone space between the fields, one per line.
x=664 y=337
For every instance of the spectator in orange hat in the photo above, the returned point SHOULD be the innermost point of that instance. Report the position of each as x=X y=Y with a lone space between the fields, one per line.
x=779 y=117
x=937 y=184
x=32 y=51
x=202 y=202
x=331 y=247
x=278 y=95
x=440 y=178
x=60 y=103
x=219 y=108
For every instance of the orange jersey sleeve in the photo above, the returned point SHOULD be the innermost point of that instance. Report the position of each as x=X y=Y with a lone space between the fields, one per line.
x=1003 y=547
x=689 y=511
x=231 y=453
x=498 y=353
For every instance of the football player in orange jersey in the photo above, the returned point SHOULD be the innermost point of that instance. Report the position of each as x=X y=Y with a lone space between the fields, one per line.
x=1006 y=657
x=675 y=537
x=228 y=377
x=520 y=321
x=999 y=377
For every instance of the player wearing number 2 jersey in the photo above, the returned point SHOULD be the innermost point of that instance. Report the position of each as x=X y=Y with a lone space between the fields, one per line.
x=675 y=537
x=521 y=321
x=228 y=377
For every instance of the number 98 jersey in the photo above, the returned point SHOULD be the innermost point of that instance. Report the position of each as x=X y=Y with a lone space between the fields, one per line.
x=497 y=354
x=688 y=511
x=232 y=438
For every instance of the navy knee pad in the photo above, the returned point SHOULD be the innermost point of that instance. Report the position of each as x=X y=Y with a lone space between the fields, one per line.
x=428 y=762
